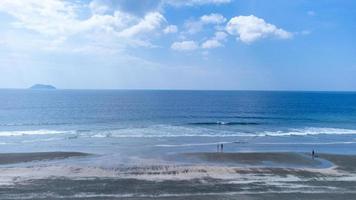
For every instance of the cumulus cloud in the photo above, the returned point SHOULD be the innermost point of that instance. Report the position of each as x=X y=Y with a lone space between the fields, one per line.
x=185 y=46
x=142 y=7
x=195 y=2
x=213 y=18
x=99 y=6
x=149 y=23
x=220 y=35
x=215 y=41
x=64 y=19
x=248 y=29
x=195 y=26
x=170 y=29
x=47 y=17
x=209 y=44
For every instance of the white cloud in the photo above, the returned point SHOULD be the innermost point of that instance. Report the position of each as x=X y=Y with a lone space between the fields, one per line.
x=49 y=17
x=208 y=1
x=170 y=29
x=185 y=46
x=209 y=44
x=195 y=26
x=59 y=20
x=99 y=7
x=250 y=28
x=149 y=23
x=195 y=2
x=220 y=35
x=215 y=41
x=213 y=18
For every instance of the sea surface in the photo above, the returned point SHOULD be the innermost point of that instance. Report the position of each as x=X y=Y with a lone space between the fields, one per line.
x=133 y=126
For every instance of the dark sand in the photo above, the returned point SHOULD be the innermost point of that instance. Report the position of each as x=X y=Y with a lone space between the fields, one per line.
x=343 y=162
x=256 y=159
x=11 y=158
x=309 y=180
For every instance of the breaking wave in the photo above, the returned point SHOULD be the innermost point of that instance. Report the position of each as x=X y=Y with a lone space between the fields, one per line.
x=33 y=132
x=224 y=123
x=176 y=131
x=310 y=131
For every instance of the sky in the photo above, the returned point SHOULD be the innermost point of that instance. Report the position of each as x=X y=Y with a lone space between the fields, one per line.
x=179 y=44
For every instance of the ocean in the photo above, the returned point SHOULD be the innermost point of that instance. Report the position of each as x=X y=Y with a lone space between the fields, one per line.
x=134 y=122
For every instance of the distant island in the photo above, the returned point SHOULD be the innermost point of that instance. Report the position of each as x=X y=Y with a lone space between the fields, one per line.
x=42 y=87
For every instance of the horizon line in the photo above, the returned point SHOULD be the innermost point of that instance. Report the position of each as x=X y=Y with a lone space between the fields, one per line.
x=161 y=89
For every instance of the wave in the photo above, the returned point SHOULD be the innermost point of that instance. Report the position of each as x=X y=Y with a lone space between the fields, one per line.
x=33 y=132
x=34 y=124
x=310 y=131
x=181 y=131
x=251 y=117
x=224 y=123
x=157 y=131
x=164 y=131
x=192 y=145
x=303 y=143
x=254 y=143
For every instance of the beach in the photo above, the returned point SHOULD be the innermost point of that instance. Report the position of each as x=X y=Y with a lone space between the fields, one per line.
x=210 y=176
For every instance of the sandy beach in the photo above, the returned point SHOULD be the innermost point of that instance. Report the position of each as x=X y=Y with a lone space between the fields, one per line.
x=208 y=176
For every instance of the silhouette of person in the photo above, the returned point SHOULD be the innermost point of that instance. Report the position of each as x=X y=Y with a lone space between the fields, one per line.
x=313 y=153
x=222 y=147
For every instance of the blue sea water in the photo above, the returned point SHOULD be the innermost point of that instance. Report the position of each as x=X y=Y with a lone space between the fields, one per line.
x=126 y=124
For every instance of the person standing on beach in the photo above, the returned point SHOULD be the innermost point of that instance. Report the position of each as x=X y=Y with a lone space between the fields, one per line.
x=313 y=154
x=222 y=147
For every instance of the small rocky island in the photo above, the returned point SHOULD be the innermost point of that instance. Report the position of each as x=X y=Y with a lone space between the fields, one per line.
x=42 y=87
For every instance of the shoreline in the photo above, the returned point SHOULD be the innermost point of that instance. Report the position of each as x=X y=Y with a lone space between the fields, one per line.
x=14 y=158
x=262 y=159
x=237 y=159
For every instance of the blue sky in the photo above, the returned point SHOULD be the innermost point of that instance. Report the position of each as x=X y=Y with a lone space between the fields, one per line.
x=179 y=44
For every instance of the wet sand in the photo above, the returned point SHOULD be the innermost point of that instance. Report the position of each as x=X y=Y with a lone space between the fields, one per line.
x=245 y=176
x=342 y=162
x=256 y=159
x=11 y=158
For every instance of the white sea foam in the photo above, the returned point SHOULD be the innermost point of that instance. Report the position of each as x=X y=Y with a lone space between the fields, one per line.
x=181 y=131
x=157 y=131
x=42 y=140
x=310 y=131
x=303 y=143
x=33 y=132
x=164 y=131
x=255 y=143
x=193 y=144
